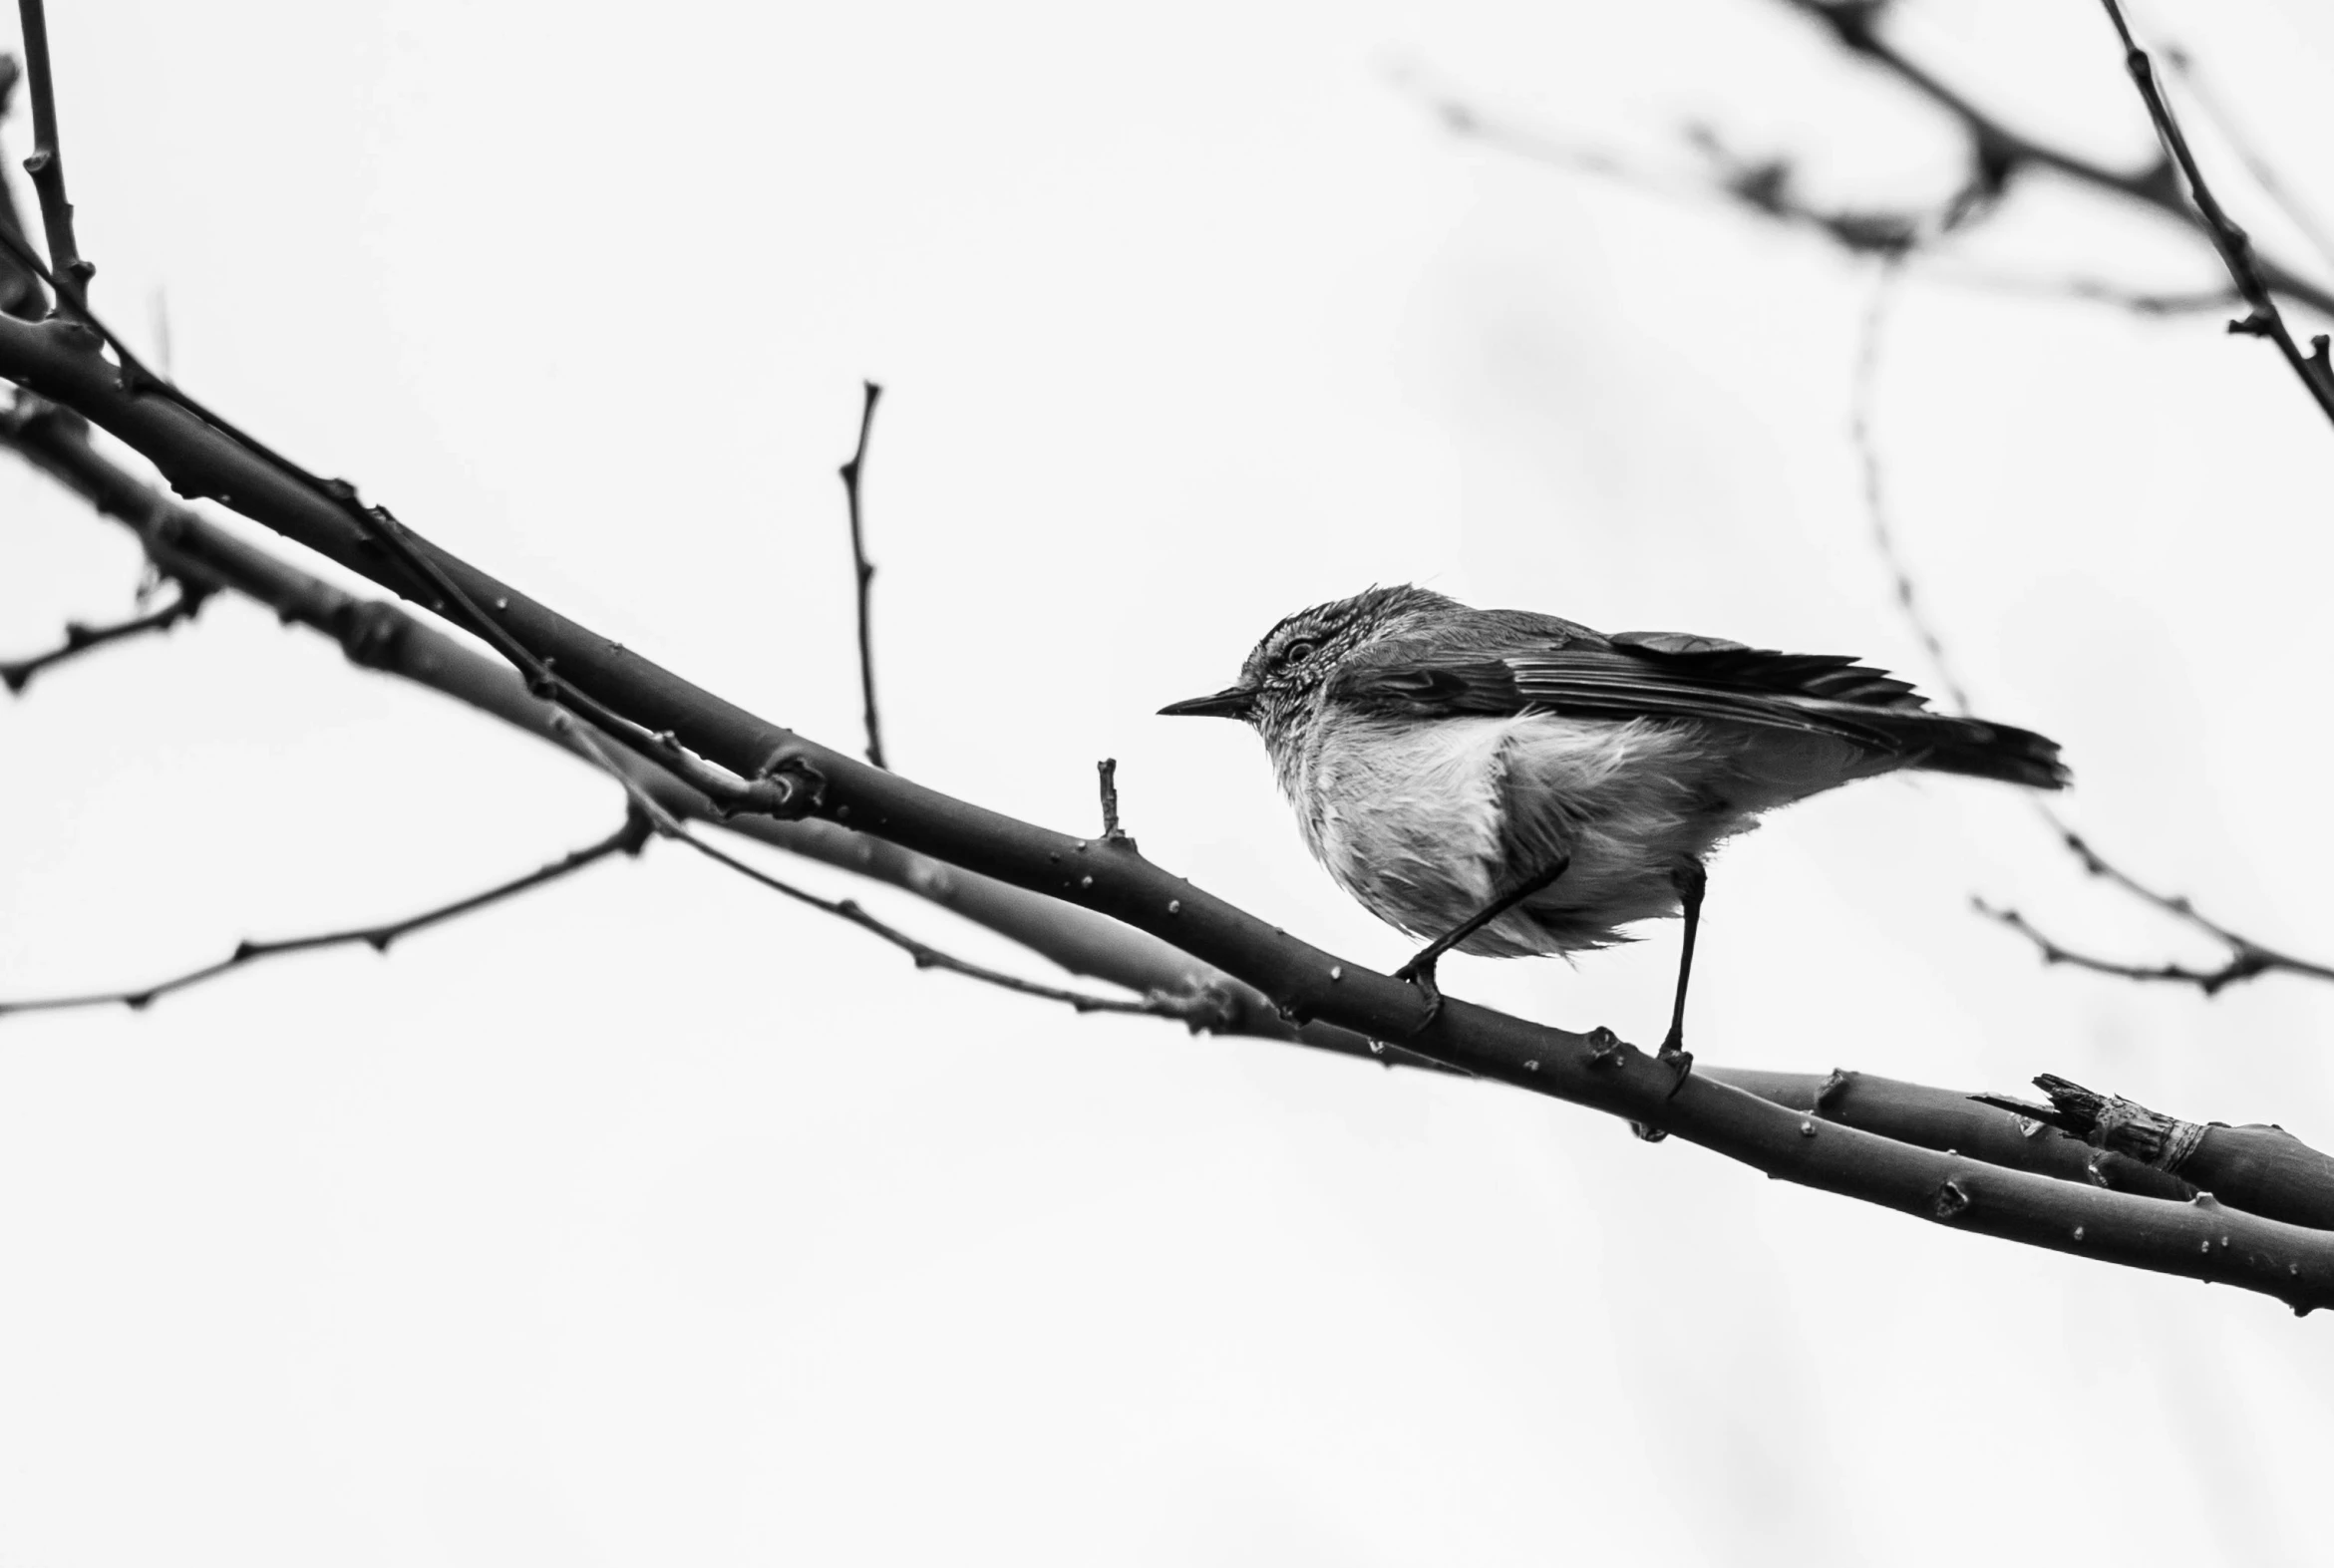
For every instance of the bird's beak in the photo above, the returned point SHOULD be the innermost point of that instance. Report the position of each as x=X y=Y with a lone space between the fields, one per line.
x=1234 y=702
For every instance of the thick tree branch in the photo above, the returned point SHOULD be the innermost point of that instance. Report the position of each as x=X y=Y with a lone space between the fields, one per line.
x=1597 y=1069
x=626 y=839
x=2261 y=1169
x=383 y=638
x=420 y=575
x=1971 y=1124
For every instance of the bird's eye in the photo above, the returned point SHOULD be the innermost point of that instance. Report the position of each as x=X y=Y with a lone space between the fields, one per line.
x=1299 y=651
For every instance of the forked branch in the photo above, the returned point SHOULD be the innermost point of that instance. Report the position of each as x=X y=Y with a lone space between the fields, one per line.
x=81 y=638
x=2247 y=958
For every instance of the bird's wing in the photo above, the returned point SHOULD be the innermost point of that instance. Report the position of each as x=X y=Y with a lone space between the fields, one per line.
x=1570 y=670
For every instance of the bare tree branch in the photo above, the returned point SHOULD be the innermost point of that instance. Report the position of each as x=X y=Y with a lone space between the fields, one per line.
x=1185 y=1007
x=2261 y=1169
x=1864 y=397
x=204 y=455
x=46 y=165
x=383 y=638
x=2217 y=110
x=2233 y=243
x=626 y=839
x=2098 y=291
x=2246 y=959
x=1971 y=1124
x=80 y=637
x=1852 y=24
x=1765 y=187
x=21 y=293
x=864 y=574
x=420 y=572
x=1597 y=1069
x=380 y=637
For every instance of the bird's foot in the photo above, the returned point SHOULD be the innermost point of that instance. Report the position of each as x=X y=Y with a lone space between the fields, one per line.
x=1420 y=972
x=1674 y=1055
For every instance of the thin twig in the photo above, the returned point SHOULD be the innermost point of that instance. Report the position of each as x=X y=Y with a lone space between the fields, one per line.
x=667 y=826
x=2248 y=153
x=626 y=839
x=2089 y=290
x=21 y=293
x=379 y=636
x=864 y=574
x=1853 y=25
x=926 y=956
x=1864 y=398
x=1765 y=187
x=46 y=165
x=2247 y=958
x=2233 y=243
x=2240 y=964
x=81 y=638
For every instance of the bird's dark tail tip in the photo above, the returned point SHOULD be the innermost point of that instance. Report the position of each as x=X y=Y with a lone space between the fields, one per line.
x=1987 y=750
x=1946 y=743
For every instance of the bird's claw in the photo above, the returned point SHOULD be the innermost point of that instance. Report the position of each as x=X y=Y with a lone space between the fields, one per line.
x=1674 y=1055
x=1421 y=974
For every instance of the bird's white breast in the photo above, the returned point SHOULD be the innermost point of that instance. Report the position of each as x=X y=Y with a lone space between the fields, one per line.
x=1407 y=817
x=1422 y=821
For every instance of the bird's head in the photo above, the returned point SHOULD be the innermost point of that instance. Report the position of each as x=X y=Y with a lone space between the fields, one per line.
x=1280 y=684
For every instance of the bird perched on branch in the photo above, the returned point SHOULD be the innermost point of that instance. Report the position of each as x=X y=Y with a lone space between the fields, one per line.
x=1511 y=784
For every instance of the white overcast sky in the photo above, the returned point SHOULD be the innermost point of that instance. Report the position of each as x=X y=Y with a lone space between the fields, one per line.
x=655 y=1220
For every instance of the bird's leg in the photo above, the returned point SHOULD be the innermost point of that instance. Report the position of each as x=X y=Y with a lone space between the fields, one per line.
x=1690 y=879
x=1420 y=971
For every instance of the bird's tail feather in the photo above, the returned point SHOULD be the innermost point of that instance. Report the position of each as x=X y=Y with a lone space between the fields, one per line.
x=1947 y=743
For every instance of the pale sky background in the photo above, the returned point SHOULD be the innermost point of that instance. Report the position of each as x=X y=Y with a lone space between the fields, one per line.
x=655 y=1220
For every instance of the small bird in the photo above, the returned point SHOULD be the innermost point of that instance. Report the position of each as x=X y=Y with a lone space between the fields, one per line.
x=1511 y=783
